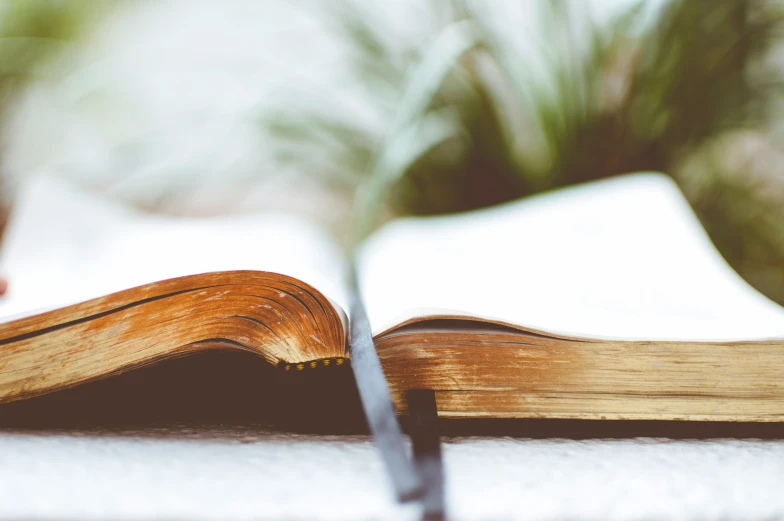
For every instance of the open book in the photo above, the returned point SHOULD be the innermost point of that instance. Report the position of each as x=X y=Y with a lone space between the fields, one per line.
x=606 y=300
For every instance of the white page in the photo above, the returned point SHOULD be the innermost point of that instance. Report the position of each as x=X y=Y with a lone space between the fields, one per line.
x=65 y=245
x=621 y=258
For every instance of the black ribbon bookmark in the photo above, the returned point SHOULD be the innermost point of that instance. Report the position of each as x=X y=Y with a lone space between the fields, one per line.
x=377 y=403
x=423 y=414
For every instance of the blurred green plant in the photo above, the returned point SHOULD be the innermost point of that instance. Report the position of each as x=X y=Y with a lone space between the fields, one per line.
x=32 y=34
x=477 y=115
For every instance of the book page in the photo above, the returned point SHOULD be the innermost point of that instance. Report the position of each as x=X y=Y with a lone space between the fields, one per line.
x=65 y=245
x=623 y=258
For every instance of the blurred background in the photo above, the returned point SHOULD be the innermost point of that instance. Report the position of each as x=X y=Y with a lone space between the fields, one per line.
x=355 y=112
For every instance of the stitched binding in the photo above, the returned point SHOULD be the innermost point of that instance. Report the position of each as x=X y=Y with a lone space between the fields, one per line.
x=321 y=363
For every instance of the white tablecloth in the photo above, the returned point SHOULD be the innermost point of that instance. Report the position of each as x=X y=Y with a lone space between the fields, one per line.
x=214 y=473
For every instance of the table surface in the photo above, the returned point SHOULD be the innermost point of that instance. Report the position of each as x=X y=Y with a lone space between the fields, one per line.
x=178 y=472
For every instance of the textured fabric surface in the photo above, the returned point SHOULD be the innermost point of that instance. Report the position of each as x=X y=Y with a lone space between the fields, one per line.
x=179 y=473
